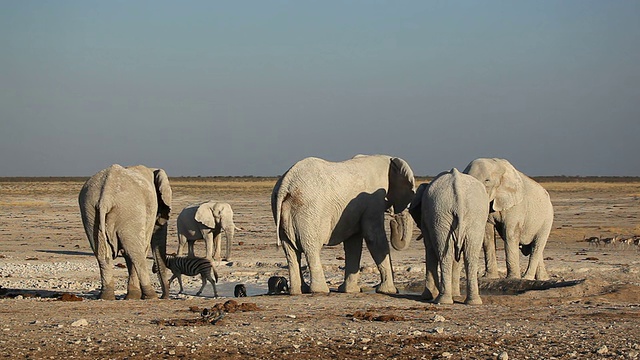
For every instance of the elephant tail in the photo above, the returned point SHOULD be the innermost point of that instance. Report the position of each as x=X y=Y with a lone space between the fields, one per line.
x=458 y=241
x=102 y=239
x=279 y=199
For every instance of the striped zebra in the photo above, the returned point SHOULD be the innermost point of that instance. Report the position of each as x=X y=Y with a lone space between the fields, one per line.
x=191 y=266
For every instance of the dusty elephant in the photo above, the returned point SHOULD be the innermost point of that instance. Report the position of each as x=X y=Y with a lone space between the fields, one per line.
x=451 y=212
x=127 y=209
x=317 y=202
x=521 y=211
x=206 y=221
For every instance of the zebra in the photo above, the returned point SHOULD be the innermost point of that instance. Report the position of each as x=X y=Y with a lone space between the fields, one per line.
x=191 y=266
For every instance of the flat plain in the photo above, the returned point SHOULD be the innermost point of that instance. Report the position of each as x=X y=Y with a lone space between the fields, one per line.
x=590 y=308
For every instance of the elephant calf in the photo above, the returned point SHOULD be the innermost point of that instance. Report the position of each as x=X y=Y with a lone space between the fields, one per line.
x=451 y=212
x=206 y=221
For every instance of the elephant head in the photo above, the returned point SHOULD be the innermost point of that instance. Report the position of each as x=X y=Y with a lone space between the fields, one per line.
x=415 y=209
x=502 y=181
x=159 y=237
x=399 y=195
x=218 y=216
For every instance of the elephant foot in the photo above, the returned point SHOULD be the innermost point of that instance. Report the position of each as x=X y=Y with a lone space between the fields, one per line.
x=349 y=288
x=491 y=275
x=444 y=299
x=149 y=293
x=133 y=294
x=319 y=288
x=428 y=295
x=473 y=301
x=387 y=289
x=107 y=295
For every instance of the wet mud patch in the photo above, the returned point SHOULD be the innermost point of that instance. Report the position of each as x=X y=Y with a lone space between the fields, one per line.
x=8 y=293
x=215 y=315
x=520 y=286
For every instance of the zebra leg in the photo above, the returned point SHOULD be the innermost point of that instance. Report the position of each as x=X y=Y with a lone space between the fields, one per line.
x=204 y=283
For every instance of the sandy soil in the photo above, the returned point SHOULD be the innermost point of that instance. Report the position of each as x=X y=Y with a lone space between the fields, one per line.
x=592 y=312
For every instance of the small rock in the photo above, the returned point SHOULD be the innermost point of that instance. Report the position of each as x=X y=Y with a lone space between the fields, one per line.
x=80 y=322
x=291 y=316
x=172 y=352
x=446 y=355
x=438 y=318
x=438 y=330
x=503 y=356
x=603 y=350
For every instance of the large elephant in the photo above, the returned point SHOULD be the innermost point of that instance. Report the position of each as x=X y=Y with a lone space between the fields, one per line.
x=206 y=221
x=452 y=212
x=521 y=211
x=127 y=209
x=317 y=202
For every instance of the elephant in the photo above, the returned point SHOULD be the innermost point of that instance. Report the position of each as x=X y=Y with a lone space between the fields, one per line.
x=318 y=202
x=451 y=212
x=522 y=213
x=127 y=210
x=206 y=221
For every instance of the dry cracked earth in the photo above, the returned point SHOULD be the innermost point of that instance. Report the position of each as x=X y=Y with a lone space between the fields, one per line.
x=49 y=280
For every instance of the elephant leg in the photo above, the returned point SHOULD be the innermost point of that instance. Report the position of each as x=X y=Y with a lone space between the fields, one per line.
x=139 y=262
x=446 y=274
x=471 y=258
x=352 y=255
x=541 y=273
x=379 y=248
x=318 y=281
x=133 y=284
x=182 y=244
x=296 y=286
x=512 y=253
x=217 y=245
x=489 y=247
x=455 y=276
x=432 y=282
x=105 y=263
x=536 y=269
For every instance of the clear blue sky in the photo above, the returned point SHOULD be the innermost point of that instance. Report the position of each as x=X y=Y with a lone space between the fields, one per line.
x=251 y=87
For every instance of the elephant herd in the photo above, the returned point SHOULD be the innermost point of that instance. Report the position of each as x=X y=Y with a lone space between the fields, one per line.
x=318 y=202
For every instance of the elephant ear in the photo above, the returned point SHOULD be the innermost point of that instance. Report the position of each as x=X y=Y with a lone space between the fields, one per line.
x=161 y=181
x=415 y=208
x=510 y=191
x=204 y=215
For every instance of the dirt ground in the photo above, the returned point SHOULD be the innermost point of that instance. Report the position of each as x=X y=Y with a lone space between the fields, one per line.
x=592 y=310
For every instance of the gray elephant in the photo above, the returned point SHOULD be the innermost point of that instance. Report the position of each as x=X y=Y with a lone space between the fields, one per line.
x=127 y=210
x=521 y=211
x=452 y=212
x=317 y=202
x=206 y=221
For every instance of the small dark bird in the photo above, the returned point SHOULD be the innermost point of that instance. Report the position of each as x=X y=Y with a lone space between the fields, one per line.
x=278 y=285
x=240 y=291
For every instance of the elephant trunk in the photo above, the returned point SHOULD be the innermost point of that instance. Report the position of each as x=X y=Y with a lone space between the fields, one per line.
x=229 y=233
x=401 y=230
x=159 y=251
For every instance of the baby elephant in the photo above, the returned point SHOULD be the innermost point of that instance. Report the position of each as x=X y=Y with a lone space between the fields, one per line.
x=278 y=285
x=240 y=291
x=191 y=266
